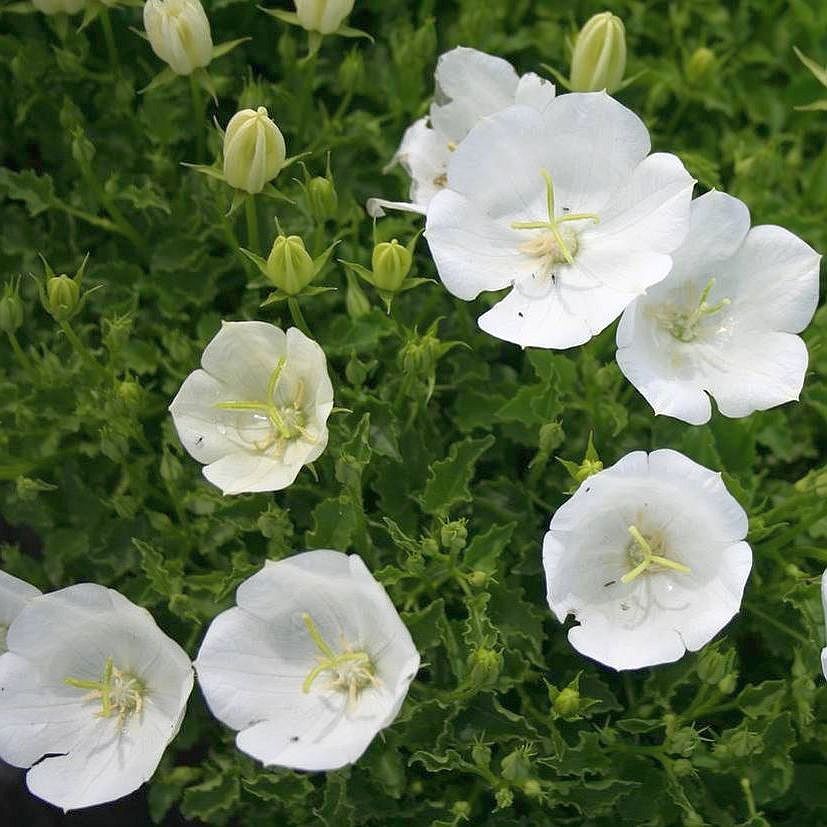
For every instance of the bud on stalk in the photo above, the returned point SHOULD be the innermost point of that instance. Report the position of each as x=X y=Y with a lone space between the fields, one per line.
x=179 y=33
x=599 y=60
x=254 y=150
x=323 y=16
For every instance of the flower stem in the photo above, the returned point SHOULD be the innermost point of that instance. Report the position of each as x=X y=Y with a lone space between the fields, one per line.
x=298 y=316
x=109 y=36
x=77 y=344
x=24 y=360
x=198 y=113
x=252 y=223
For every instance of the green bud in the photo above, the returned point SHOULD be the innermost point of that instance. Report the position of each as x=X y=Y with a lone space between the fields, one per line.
x=599 y=60
x=11 y=311
x=391 y=264
x=351 y=74
x=478 y=579
x=504 y=798
x=486 y=665
x=453 y=536
x=129 y=391
x=532 y=788
x=430 y=547
x=587 y=468
x=714 y=665
x=356 y=302
x=322 y=198
x=551 y=437
x=62 y=297
x=461 y=809
x=727 y=684
x=682 y=768
x=567 y=703
x=517 y=766
x=481 y=755
x=290 y=266
x=700 y=65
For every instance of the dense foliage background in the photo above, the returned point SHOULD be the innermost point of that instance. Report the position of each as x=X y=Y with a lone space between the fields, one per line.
x=443 y=476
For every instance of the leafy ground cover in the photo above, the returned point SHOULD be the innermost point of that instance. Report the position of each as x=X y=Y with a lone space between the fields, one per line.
x=442 y=473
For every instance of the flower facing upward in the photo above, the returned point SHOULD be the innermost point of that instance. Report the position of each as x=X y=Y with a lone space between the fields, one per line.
x=258 y=410
x=95 y=689
x=310 y=665
x=564 y=206
x=649 y=556
x=254 y=150
x=14 y=595
x=470 y=85
x=724 y=321
x=323 y=16
x=179 y=33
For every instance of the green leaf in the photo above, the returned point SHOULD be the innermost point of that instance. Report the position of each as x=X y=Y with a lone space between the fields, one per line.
x=448 y=480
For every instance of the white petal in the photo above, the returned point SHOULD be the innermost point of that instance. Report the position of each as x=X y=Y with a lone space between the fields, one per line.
x=375 y=207
x=14 y=595
x=247 y=472
x=535 y=92
x=424 y=154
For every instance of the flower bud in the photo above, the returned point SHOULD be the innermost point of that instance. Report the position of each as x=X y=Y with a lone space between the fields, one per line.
x=323 y=16
x=700 y=65
x=322 y=198
x=599 y=60
x=11 y=312
x=59 y=6
x=486 y=665
x=62 y=297
x=356 y=302
x=391 y=264
x=517 y=766
x=179 y=33
x=532 y=788
x=254 y=150
x=290 y=266
x=567 y=703
x=453 y=536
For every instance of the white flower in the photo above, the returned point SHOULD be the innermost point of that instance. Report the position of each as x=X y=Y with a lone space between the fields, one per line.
x=257 y=412
x=312 y=663
x=649 y=555
x=59 y=6
x=565 y=206
x=14 y=595
x=179 y=33
x=470 y=85
x=323 y=16
x=724 y=320
x=254 y=150
x=91 y=693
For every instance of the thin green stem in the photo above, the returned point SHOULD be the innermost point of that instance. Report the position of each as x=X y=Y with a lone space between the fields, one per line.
x=251 y=215
x=24 y=360
x=124 y=227
x=109 y=36
x=782 y=627
x=77 y=344
x=298 y=316
x=198 y=113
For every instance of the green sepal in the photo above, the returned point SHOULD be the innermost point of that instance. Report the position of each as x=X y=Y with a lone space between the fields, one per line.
x=91 y=13
x=289 y=17
x=163 y=78
x=203 y=79
x=204 y=169
x=260 y=262
x=412 y=282
x=273 y=194
x=349 y=31
x=360 y=270
x=19 y=8
x=279 y=296
x=816 y=106
x=239 y=199
x=320 y=261
x=820 y=72
x=225 y=48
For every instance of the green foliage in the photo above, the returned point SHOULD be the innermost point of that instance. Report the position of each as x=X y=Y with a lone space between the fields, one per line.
x=441 y=468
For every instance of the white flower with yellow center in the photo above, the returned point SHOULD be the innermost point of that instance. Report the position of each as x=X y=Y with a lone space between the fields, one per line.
x=92 y=693
x=470 y=85
x=566 y=207
x=310 y=665
x=649 y=556
x=14 y=595
x=257 y=412
x=724 y=322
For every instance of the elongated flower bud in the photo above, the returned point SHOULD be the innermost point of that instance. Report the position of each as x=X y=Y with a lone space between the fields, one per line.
x=290 y=266
x=11 y=312
x=391 y=264
x=599 y=60
x=179 y=33
x=59 y=6
x=322 y=197
x=323 y=16
x=254 y=150
x=63 y=297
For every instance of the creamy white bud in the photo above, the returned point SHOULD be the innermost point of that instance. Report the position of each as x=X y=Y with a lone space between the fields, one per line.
x=179 y=33
x=324 y=16
x=254 y=150
x=599 y=60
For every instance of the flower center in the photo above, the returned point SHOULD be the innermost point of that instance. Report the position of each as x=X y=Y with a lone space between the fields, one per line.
x=644 y=555
x=120 y=693
x=286 y=422
x=684 y=324
x=556 y=244
x=350 y=671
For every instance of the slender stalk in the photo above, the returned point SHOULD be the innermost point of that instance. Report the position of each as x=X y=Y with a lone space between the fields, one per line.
x=298 y=316
x=124 y=227
x=198 y=113
x=109 y=36
x=24 y=360
x=782 y=627
x=252 y=223
x=77 y=344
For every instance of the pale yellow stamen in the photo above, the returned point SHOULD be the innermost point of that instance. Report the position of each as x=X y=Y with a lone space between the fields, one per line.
x=120 y=693
x=644 y=547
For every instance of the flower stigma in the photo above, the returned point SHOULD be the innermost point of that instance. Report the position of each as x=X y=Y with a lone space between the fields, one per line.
x=120 y=693
x=643 y=556
x=556 y=245
x=683 y=325
x=350 y=671
x=286 y=422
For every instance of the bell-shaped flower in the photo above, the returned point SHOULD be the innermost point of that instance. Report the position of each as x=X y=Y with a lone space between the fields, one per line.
x=310 y=665
x=254 y=150
x=649 y=556
x=257 y=412
x=91 y=694
x=567 y=208
x=179 y=33
x=725 y=320
x=14 y=595
x=470 y=85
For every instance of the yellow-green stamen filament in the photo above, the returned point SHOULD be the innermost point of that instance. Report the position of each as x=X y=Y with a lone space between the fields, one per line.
x=644 y=547
x=119 y=692
x=684 y=326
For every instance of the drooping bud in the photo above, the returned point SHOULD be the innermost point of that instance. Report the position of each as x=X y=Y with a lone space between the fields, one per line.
x=59 y=6
x=700 y=65
x=322 y=198
x=391 y=264
x=254 y=150
x=599 y=60
x=179 y=33
x=62 y=297
x=11 y=310
x=289 y=265
x=323 y=16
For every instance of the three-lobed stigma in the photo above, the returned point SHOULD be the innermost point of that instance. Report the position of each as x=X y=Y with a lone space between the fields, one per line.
x=120 y=693
x=645 y=557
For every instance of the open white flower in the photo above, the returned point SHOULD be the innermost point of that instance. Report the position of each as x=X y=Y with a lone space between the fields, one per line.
x=257 y=412
x=91 y=694
x=724 y=321
x=469 y=86
x=312 y=663
x=14 y=595
x=565 y=206
x=649 y=556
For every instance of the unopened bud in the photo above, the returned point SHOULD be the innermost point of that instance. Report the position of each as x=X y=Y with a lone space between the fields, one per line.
x=391 y=264
x=322 y=198
x=356 y=302
x=486 y=665
x=62 y=297
x=567 y=703
x=700 y=65
x=129 y=391
x=599 y=60
x=254 y=150
x=323 y=16
x=532 y=788
x=179 y=33
x=453 y=536
x=290 y=266
x=11 y=312
x=517 y=766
